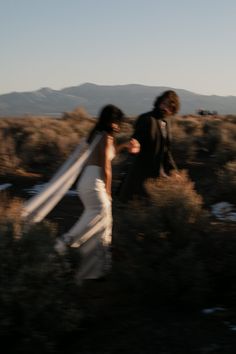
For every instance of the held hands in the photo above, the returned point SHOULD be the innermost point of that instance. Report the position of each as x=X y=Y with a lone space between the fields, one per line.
x=133 y=146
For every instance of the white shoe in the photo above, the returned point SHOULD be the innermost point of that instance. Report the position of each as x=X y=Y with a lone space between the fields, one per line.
x=60 y=247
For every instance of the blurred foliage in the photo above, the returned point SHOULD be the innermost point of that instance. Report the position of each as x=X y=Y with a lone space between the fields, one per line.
x=165 y=248
x=38 y=297
x=227 y=182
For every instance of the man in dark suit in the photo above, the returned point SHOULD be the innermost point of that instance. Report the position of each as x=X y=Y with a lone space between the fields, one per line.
x=153 y=132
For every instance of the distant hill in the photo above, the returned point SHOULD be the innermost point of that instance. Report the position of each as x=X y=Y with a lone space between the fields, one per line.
x=132 y=99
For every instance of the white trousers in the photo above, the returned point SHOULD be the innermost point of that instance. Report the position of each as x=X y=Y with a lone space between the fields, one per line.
x=92 y=233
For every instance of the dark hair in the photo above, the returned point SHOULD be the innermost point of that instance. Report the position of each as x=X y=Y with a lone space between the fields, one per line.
x=172 y=100
x=108 y=115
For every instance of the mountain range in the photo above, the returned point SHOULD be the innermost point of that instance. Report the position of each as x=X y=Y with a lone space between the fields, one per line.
x=133 y=99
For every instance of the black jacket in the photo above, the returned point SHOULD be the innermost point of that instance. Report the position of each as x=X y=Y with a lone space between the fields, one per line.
x=154 y=156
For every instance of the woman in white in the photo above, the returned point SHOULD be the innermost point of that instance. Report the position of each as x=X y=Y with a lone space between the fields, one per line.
x=92 y=234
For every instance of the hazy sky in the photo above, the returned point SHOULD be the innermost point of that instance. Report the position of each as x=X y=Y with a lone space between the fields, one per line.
x=187 y=44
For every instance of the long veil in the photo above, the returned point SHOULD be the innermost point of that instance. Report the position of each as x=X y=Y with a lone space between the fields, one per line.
x=36 y=208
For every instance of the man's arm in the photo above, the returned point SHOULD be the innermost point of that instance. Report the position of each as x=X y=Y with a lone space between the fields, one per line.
x=140 y=129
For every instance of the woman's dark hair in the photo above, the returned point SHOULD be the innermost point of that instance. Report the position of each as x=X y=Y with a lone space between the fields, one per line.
x=108 y=115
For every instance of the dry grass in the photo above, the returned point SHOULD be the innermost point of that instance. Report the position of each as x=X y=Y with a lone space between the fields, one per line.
x=38 y=144
x=10 y=210
x=195 y=136
x=176 y=199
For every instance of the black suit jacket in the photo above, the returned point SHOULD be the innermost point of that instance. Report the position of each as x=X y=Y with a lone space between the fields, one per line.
x=155 y=155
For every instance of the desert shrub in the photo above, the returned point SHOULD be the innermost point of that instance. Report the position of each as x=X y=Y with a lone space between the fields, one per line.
x=185 y=134
x=195 y=137
x=79 y=113
x=9 y=160
x=167 y=250
x=212 y=134
x=41 y=144
x=219 y=136
x=38 y=304
x=230 y=118
x=191 y=125
x=226 y=183
x=226 y=150
x=177 y=201
x=157 y=244
x=10 y=209
x=38 y=144
x=45 y=147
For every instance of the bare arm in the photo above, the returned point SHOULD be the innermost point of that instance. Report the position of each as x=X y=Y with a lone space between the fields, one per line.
x=132 y=146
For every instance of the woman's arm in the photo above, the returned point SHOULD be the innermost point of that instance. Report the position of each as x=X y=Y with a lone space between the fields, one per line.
x=132 y=146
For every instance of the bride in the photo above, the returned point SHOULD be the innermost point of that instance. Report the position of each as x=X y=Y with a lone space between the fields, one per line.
x=92 y=234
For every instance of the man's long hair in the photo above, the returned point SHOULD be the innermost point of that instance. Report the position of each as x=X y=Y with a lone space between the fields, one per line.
x=171 y=98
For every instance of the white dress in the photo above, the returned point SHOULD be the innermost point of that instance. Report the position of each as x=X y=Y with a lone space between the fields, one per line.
x=92 y=233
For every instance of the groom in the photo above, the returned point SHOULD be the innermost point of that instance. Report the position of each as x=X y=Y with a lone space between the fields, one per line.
x=152 y=130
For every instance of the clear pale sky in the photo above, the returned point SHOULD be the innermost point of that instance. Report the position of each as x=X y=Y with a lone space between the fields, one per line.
x=188 y=44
